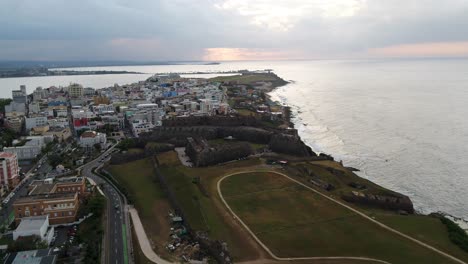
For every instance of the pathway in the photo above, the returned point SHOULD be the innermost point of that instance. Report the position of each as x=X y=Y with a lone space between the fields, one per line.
x=338 y=202
x=184 y=159
x=143 y=239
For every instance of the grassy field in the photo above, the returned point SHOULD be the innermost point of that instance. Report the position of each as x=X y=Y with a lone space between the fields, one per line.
x=245 y=79
x=424 y=228
x=203 y=207
x=150 y=201
x=222 y=141
x=294 y=222
x=245 y=112
x=319 y=170
x=135 y=150
x=308 y=223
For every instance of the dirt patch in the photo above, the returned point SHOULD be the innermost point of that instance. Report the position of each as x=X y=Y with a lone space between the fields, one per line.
x=158 y=228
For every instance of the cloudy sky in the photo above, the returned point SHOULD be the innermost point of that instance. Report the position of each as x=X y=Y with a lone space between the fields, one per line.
x=231 y=29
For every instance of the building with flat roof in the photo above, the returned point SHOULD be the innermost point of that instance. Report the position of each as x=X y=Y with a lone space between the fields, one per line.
x=90 y=138
x=31 y=148
x=57 y=198
x=60 y=207
x=20 y=96
x=35 y=226
x=9 y=170
x=40 y=256
x=75 y=90
x=60 y=133
x=35 y=121
x=15 y=109
x=58 y=185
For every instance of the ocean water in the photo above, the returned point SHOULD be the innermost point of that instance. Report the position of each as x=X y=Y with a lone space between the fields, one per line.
x=403 y=123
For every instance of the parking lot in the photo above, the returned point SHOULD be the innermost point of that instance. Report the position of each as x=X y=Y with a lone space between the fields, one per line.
x=64 y=235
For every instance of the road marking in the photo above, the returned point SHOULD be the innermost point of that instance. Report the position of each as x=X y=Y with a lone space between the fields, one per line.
x=124 y=238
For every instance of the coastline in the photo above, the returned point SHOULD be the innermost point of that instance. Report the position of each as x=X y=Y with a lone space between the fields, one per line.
x=295 y=122
x=73 y=73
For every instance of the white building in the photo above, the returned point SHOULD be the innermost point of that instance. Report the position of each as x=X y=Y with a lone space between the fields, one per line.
x=60 y=112
x=20 y=96
x=103 y=109
x=58 y=122
x=90 y=138
x=140 y=126
x=34 y=108
x=81 y=112
x=206 y=105
x=35 y=226
x=114 y=120
x=15 y=109
x=88 y=91
x=31 y=148
x=147 y=106
x=35 y=121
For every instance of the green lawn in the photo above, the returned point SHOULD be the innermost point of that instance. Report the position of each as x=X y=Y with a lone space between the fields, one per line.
x=245 y=79
x=135 y=150
x=295 y=222
x=424 y=228
x=149 y=199
x=245 y=112
x=204 y=210
x=137 y=177
x=254 y=146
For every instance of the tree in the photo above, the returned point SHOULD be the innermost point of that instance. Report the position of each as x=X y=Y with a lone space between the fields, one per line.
x=54 y=159
x=126 y=144
x=7 y=136
x=97 y=146
x=3 y=103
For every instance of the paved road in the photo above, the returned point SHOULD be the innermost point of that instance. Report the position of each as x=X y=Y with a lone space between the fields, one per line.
x=448 y=256
x=116 y=235
x=22 y=188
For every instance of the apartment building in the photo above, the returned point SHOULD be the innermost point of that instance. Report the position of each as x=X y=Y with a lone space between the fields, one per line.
x=35 y=121
x=75 y=90
x=60 y=133
x=9 y=170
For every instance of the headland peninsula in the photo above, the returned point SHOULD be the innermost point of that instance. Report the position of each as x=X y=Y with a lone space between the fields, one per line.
x=249 y=189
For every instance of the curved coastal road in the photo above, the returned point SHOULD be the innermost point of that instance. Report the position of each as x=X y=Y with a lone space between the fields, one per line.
x=116 y=246
x=333 y=200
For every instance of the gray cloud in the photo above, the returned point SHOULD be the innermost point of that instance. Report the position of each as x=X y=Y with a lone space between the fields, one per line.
x=183 y=29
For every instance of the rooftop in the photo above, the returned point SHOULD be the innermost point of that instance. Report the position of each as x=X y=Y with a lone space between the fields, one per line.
x=40 y=187
x=44 y=197
x=41 y=256
x=57 y=129
x=31 y=223
x=7 y=155
x=70 y=179
x=89 y=134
